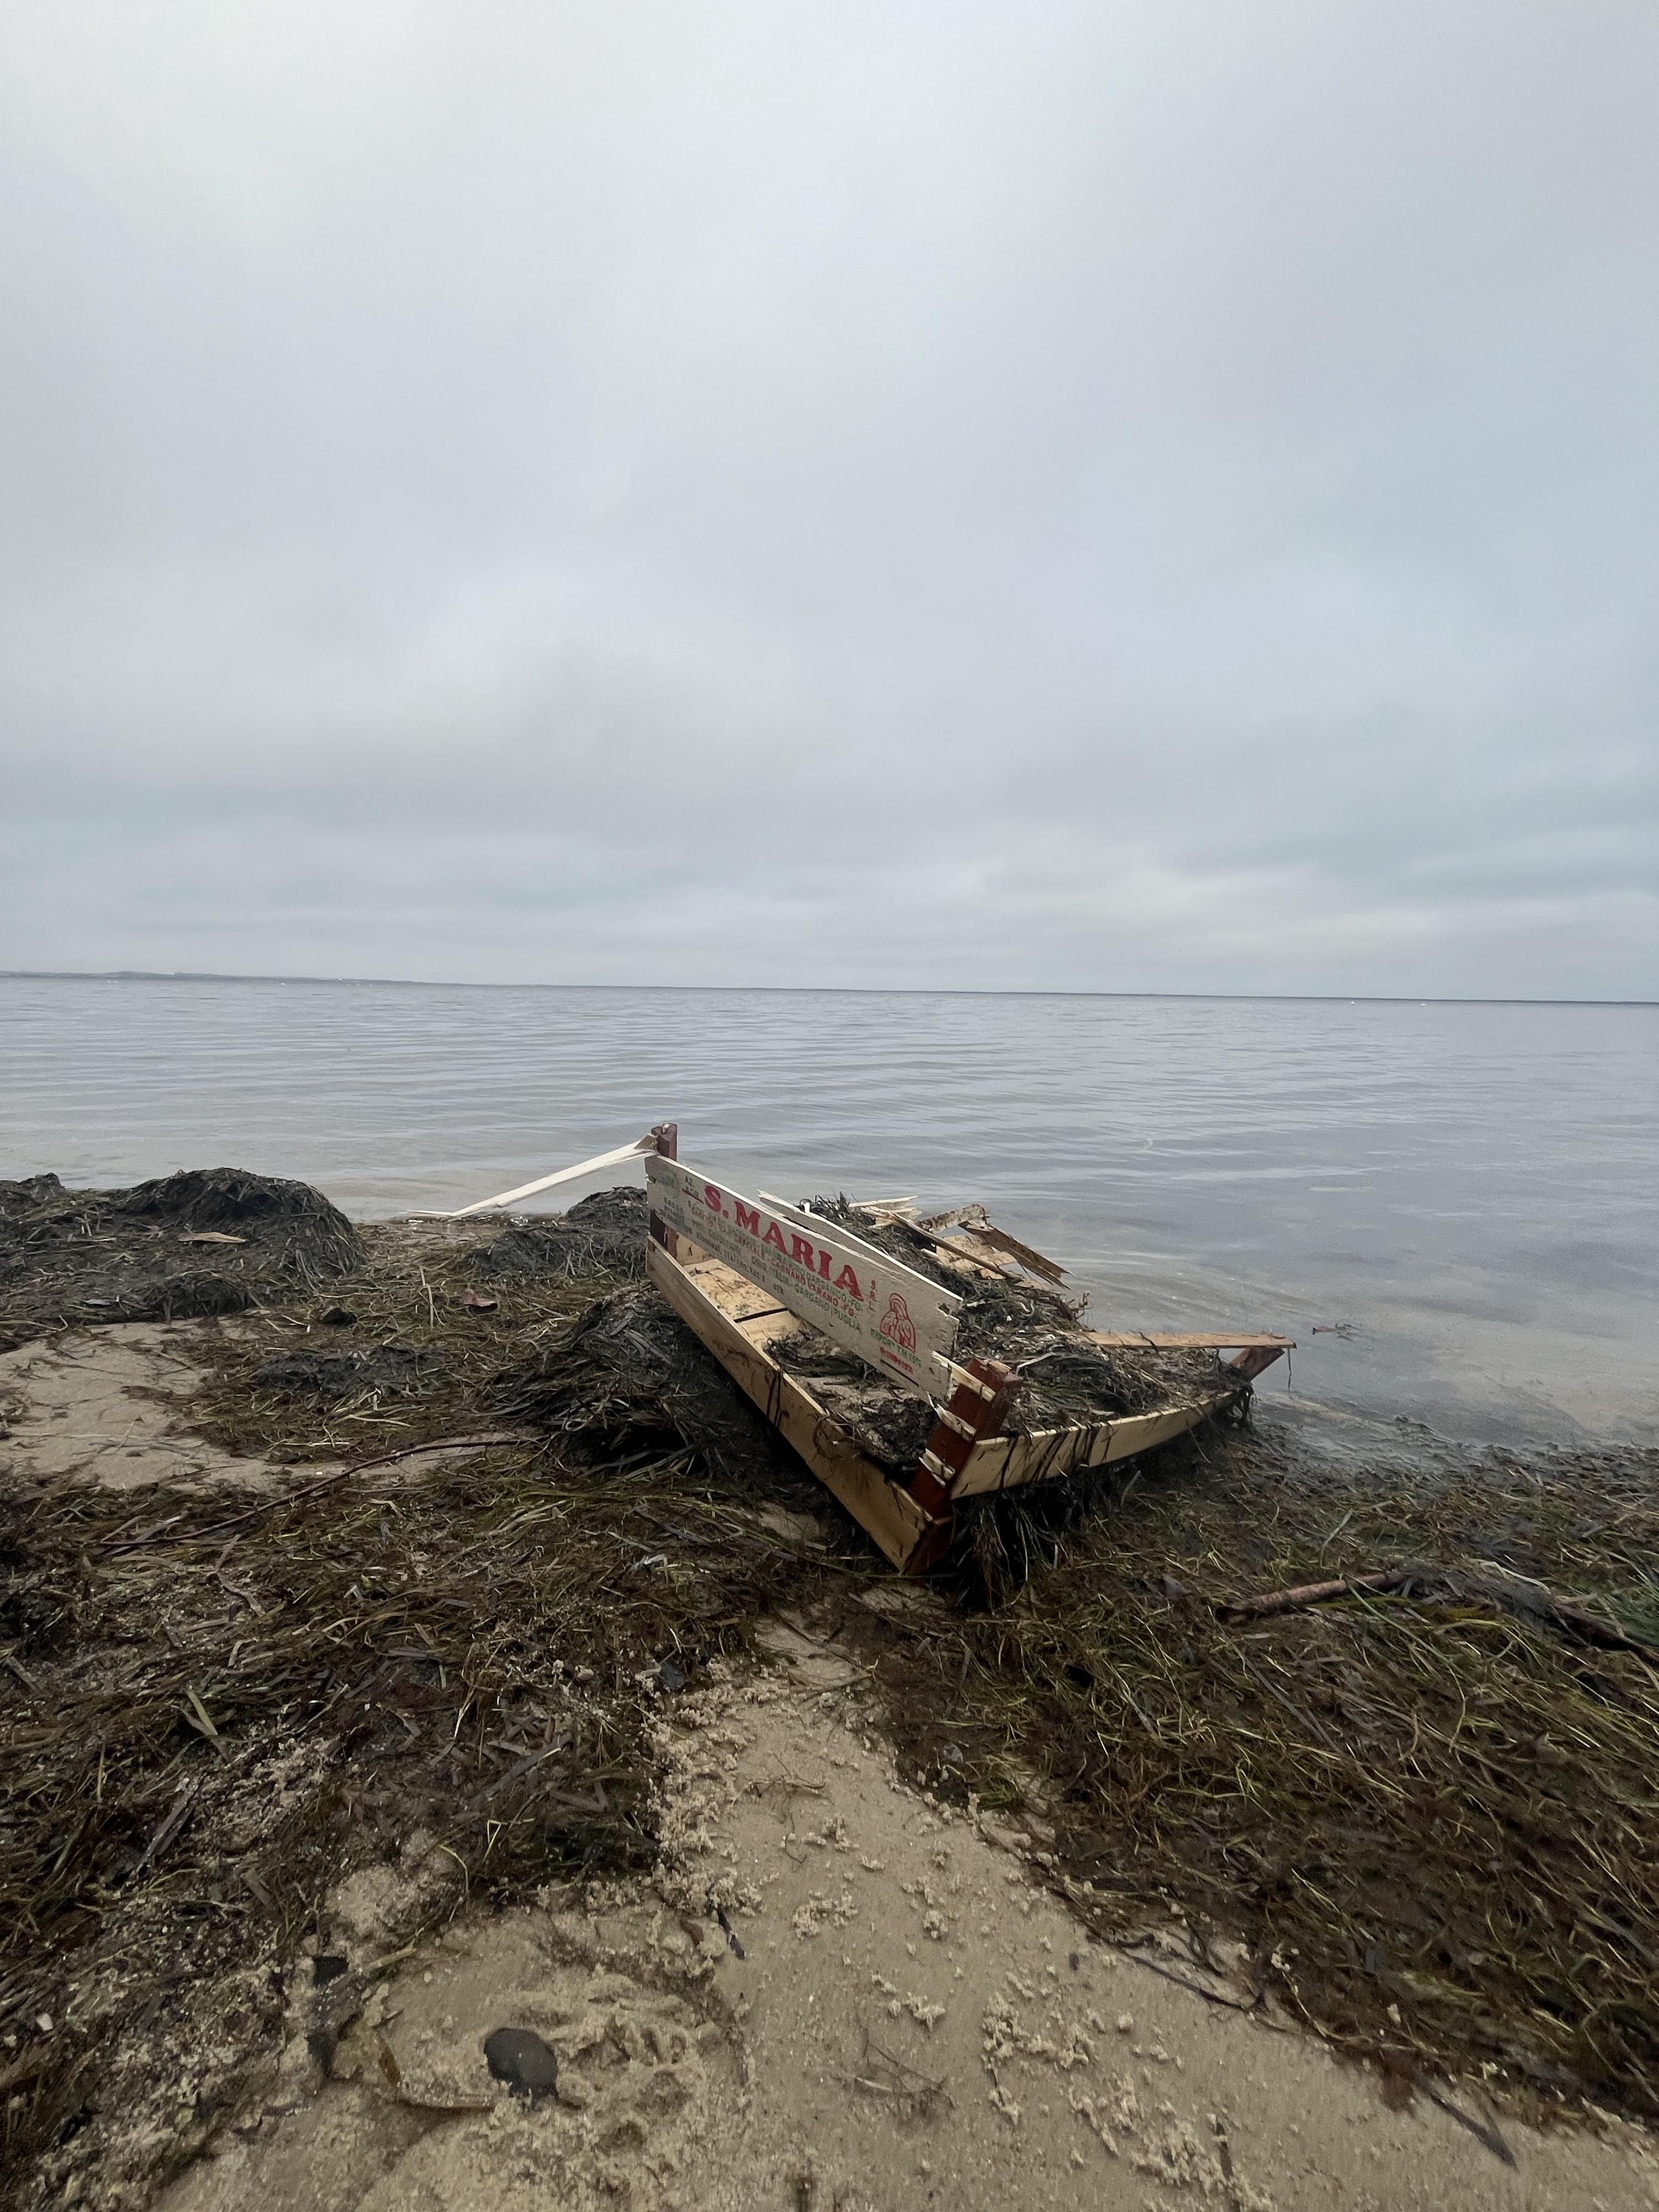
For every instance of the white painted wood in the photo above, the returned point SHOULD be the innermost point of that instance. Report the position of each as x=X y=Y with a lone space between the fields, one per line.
x=546 y=1183
x=897 y=1320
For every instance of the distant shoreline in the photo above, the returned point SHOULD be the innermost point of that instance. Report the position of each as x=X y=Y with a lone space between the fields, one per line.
x=796 y=990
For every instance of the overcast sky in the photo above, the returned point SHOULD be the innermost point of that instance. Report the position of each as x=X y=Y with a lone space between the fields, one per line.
x=1125 y=495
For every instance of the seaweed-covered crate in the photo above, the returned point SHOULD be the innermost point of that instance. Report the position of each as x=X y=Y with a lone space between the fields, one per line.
x=853 y=1355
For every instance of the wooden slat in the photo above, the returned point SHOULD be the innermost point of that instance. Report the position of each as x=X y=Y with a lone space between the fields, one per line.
x=747 y=1307
x=1035 y=1263
x=1007 y=1462
x=1212 y=1340
x=729 y=1293
x=891 y=1514
x=959 y=1375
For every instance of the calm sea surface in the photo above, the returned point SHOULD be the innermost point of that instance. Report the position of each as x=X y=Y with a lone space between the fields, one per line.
x=1475 y=1188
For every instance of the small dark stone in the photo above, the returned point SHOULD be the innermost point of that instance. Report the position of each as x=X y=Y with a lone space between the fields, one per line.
x=519 y=2056
x=327 y=1967
x=1077 y=1960
x=670 y=1676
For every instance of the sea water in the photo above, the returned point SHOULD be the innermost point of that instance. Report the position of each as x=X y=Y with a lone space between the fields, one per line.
x=1454 y=1208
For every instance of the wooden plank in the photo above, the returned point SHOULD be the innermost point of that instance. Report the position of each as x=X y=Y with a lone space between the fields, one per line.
x=977 y=1223
x=1239 y=1340
x=504 y=1198
x=1007 y=1462
x=1035 y=1263
x=891 y=1514
x=733 y=1294
x=748 y=1309
x=971 y=1244
x=959 y=1375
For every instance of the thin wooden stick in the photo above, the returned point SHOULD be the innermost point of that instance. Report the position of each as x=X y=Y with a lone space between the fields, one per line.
x=1292 y=1600
x=1514 y=1593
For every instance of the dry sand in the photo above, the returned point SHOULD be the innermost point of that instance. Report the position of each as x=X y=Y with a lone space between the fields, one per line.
x=108 y=1406
x=914 y=2018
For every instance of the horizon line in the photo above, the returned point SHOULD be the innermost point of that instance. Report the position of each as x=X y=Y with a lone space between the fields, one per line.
x=818 y=990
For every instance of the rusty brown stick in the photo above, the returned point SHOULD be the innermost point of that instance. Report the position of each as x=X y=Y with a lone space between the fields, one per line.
x=1514 y=1595
x=1292 y=1600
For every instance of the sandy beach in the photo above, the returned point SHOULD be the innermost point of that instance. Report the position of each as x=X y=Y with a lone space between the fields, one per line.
x=901 y=2009
x=825 y=1972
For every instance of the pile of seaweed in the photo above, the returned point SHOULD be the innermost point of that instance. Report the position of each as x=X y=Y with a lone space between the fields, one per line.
x=600 y=1237
x=1065 y=1380
x=205 y=1240
x=630 y=1377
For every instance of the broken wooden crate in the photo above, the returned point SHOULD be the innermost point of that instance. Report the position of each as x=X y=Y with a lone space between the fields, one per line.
x=747 y=1274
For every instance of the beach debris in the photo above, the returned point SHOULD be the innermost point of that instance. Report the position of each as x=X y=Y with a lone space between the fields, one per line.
x=417 y=2100
x=729 y=1931
x=900 y=1322
x=336 y=1317
x=672 y=1677
x=602 y=1236
x=476 y=1302
x=1512 y=1593
x=917 y=1373
x=519 y=2056
x=981 y=1237
x=210 y=1237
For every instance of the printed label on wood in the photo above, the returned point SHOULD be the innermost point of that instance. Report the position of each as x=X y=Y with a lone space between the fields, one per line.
x=891 y=1317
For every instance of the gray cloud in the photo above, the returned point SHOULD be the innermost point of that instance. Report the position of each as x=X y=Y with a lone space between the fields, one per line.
x=1155 y=498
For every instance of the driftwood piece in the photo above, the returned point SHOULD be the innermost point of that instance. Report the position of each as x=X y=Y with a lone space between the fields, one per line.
x=1513 y=1593
x=1292 y=1600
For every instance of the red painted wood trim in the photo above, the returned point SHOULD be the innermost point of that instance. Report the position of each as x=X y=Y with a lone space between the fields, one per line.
x=984 y=1416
